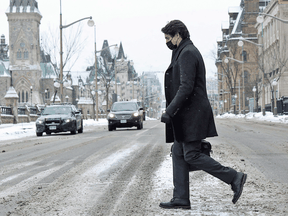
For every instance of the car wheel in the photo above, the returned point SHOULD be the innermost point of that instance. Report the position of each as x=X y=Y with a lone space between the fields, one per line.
x=110 y=128
x=139 y=126
x=39 y=134
x=74 y=129
x=81 y=129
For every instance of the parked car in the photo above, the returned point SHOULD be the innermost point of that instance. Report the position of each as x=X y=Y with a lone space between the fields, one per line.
x=125 y=114
x=59 y=118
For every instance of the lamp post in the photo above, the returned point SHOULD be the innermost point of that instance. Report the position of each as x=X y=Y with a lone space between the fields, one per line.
x=96 y=80
x=56 y=86
x=274 y=84
x=263 y=71
x=254 y=105
x=31 y=91
x=90 y=24
x=93 y=98
x=241 y=44
x=235 y=97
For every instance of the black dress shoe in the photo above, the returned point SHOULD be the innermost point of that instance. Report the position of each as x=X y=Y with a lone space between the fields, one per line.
x=237 y=185
x=176 y=203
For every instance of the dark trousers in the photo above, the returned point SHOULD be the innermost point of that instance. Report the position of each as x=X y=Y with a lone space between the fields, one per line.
x=185 y=155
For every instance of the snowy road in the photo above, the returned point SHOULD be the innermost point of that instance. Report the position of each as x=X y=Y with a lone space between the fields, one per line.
x=128 y=172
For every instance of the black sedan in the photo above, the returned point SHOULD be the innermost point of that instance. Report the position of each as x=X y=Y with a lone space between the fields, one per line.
x=59 y=118
x=125 y=114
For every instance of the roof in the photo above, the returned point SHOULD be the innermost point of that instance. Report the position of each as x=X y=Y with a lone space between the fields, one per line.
x=234 y=9
x=23 y=6
x=237 y=26
x=48 y=70
x=4 y=72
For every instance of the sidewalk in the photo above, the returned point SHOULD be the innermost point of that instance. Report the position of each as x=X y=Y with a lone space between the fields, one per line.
x=269 y=117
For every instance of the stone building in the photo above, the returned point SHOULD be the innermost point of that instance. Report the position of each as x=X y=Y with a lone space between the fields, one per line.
x=273 y=34
x=117 y=79
x=32 y=75
x=238 y=64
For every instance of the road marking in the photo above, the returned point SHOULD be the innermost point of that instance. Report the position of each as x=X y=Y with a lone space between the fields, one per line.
x=146 y=130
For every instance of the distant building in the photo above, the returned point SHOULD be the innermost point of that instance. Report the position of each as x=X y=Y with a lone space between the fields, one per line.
x=31 y=74
x=151 y=93
x=212 y=92
x=238 y=66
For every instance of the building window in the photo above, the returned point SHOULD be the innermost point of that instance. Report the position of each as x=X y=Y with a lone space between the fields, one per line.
x=26 y=55
x=22 y=96
x=244 y=56
x=19 y=55
x=18 y=97
x=27 y=97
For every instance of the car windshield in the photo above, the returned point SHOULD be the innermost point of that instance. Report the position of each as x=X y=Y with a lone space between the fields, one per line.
x=56 y=110
x=124 y=107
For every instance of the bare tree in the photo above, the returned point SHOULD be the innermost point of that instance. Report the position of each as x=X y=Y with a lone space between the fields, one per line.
x=73 y=45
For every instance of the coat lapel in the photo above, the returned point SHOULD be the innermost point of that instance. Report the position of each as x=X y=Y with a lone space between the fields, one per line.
x=177 y=52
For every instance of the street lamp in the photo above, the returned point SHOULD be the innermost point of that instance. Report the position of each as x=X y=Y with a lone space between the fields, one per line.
x=56 y=86
x=31 y=91
x=93 y=94
x=235 y=97
x=90 y=24
x=274 y=83
x=241 y=44
x=254 y=91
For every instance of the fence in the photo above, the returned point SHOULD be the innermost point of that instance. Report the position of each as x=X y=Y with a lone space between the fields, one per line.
x=6 y=110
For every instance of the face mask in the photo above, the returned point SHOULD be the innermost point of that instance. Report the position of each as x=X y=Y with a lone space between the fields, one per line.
x=170 y=45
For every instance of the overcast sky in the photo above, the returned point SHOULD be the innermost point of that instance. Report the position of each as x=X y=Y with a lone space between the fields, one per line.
x=137 y=24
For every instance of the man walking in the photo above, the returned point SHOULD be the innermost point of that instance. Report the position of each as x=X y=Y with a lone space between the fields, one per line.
x=189 y=118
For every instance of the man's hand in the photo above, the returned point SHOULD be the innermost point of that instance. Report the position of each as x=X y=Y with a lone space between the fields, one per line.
x=165 y=118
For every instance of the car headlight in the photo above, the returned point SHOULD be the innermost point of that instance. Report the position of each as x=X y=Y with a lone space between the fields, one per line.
x=136 y=114
x=67 y=120
x=39 y=121
x=111 y=115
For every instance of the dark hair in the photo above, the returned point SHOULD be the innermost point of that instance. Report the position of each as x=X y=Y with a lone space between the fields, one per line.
x=174 y=27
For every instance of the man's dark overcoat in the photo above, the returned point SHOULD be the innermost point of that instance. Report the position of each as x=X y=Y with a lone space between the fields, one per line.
x=186 y=96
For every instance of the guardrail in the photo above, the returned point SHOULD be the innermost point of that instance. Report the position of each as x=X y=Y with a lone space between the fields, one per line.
x=6 y=110
x=21 y=110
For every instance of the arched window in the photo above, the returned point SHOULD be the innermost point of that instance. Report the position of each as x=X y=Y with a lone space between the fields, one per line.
x=246 y=77
x=27 y=97
x=19 y=54
x=19 y=97
x=23 y=96
x=244 y=56
x=26 y=55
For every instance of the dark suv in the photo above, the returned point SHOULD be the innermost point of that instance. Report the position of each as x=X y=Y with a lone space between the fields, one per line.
x=59 y=118
x=125 y=114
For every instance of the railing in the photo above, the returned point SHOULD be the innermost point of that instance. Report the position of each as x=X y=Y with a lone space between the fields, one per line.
x=6 y=110
x=21 y=110
x=33 y=110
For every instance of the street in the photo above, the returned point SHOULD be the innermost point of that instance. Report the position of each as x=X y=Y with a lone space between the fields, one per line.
x=128 y=172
